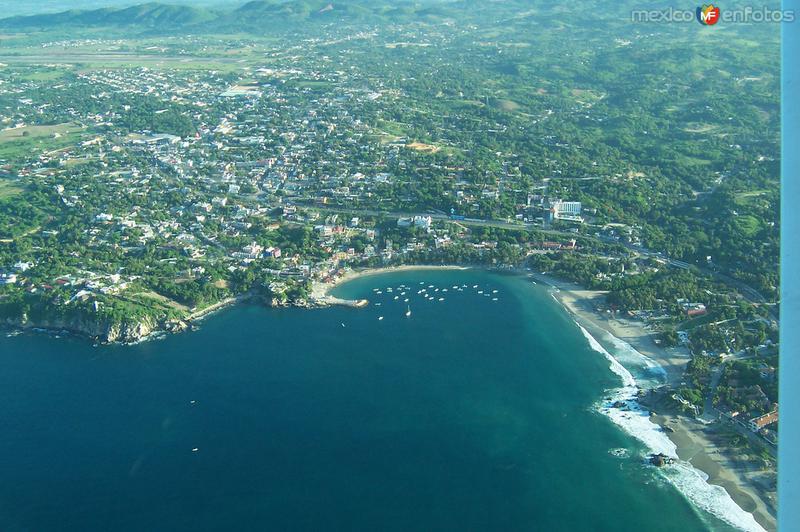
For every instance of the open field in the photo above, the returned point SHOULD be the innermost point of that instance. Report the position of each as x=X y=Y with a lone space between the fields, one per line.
x=91 y=61
x=423 y=148
x=45 y=75
x=37 y=139
x=37 y=132
x=9 y=189
x=167 y=302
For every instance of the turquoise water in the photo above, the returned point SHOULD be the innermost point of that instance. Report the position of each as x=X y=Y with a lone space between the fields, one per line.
x=472 y=414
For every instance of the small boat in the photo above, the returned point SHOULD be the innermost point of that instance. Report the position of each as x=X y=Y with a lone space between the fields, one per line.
x=194 y=450
x=396 y=298
x=405 y=300
x=480 y=291
x=441 y=299
x=494 y=299
x=408 y=312
x=380 y=318
x=343 y=325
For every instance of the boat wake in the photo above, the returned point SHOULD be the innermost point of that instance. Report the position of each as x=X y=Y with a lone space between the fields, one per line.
x=635 y=420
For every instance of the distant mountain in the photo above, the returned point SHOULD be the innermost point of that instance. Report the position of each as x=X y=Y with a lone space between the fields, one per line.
x=146 y=15
x=258 y=15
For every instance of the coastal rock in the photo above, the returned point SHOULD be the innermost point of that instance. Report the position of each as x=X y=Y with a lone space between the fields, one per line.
x=661 y=460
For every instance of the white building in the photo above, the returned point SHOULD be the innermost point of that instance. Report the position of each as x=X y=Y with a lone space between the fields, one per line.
x=423 y=222
x=566 y=208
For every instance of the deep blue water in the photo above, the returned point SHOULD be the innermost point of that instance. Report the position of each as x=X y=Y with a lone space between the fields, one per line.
x=471 y=415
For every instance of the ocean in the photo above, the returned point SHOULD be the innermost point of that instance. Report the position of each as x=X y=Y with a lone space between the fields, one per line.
x=483 y=410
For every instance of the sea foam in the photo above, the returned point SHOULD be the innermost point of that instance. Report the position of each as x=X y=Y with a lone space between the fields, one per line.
x=691 y=482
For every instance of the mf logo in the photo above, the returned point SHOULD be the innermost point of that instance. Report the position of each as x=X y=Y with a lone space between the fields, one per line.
x=708 y=15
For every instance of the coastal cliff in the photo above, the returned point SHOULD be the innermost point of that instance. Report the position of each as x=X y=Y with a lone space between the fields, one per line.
x=104 y=331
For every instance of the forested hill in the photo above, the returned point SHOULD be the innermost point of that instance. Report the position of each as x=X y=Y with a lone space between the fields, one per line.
x=146 y=15
x=261 y=15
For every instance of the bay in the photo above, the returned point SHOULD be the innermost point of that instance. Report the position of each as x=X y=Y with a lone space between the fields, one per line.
x=471 y=414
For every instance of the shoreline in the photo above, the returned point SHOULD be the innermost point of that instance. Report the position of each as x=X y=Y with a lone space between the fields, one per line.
x=697 y=443
x=321 y=292
x=320 y=297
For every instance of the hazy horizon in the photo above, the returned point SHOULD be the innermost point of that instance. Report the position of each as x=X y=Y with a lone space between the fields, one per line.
x=11 y=8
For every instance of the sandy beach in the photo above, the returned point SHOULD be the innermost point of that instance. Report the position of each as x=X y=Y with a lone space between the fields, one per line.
x=321 y=292
x=705 y=446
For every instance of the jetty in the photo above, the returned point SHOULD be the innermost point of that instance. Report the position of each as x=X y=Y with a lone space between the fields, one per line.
x=330 y=301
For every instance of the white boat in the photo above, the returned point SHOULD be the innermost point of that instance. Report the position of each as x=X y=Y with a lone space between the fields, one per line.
x=380 y=318
x=408 y=312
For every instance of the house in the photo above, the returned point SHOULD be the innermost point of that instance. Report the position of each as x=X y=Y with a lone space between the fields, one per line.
x=760 y=422
x=695 y=309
